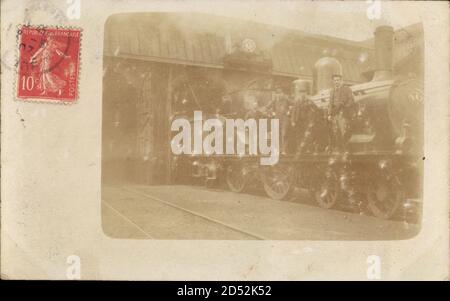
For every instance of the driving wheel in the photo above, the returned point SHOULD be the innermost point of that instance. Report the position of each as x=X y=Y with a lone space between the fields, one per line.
x=384 y=196
x=279 y=181
x=236 y=177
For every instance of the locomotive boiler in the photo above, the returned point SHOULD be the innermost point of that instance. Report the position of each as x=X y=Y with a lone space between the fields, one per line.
x=381 y=166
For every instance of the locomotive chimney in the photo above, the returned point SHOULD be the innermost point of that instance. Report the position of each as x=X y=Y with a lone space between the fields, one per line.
x=383 y=53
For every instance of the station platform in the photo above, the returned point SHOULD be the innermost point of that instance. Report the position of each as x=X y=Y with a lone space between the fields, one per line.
x=194 y=212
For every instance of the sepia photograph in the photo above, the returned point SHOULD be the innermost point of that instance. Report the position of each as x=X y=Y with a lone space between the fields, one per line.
x=190 y=149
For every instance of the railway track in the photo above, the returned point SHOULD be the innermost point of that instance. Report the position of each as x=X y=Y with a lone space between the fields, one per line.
x=242 y=234
x=254 y=236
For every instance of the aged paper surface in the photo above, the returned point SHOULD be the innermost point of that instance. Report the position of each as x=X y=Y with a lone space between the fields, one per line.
x=242 y=140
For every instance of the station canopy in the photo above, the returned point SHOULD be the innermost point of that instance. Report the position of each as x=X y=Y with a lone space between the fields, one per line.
x=204 y=40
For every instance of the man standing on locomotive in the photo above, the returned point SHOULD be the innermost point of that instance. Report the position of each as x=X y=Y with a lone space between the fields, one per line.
x=340 y=111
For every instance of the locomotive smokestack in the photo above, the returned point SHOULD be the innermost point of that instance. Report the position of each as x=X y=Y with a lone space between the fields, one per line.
x=383 y=52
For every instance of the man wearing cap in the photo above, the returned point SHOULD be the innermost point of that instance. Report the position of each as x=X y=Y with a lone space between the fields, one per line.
x=340 y=111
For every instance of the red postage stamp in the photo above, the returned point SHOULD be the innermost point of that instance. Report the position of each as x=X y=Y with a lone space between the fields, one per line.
x=48 y=64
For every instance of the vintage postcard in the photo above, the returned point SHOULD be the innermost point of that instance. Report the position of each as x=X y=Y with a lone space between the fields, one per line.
x=225 y=140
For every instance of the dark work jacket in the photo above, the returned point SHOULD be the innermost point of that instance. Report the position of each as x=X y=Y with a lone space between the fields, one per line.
x=341 y=100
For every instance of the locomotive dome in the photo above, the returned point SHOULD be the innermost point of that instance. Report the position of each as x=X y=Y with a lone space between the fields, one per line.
x=324 y=69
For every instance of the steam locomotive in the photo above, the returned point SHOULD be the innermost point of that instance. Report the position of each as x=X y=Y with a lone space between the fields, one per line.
x=382 y=165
